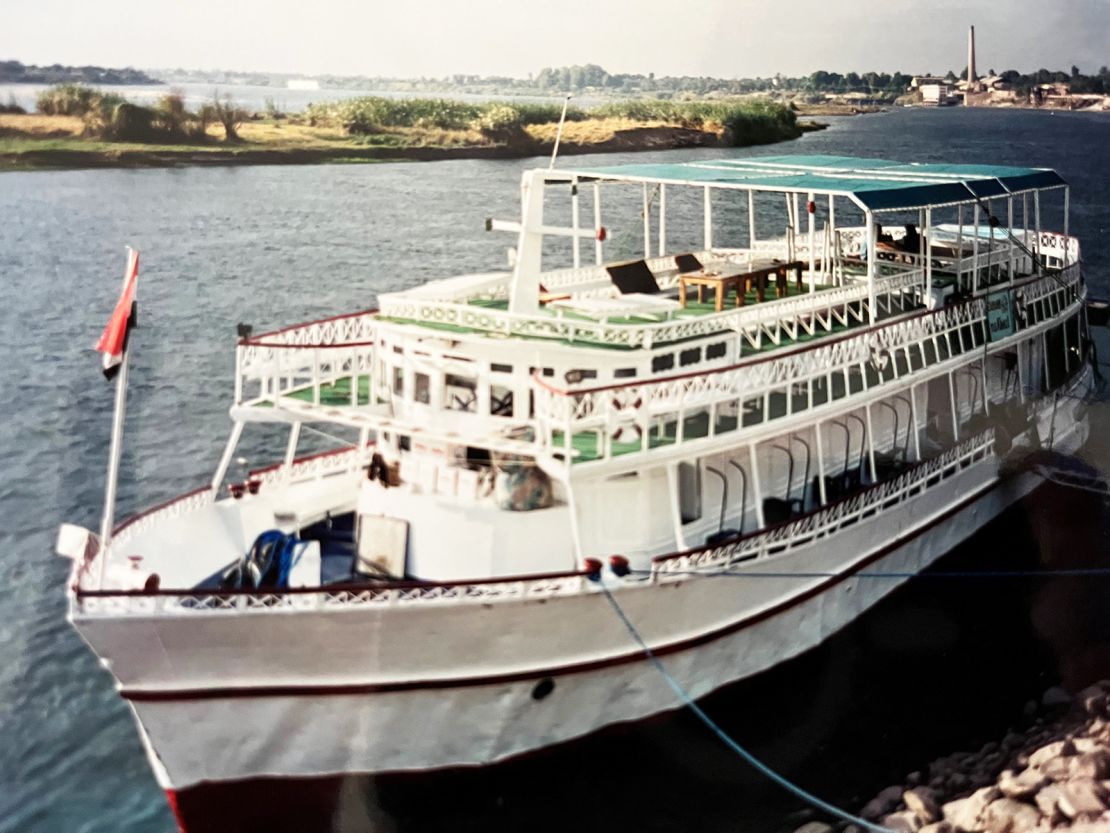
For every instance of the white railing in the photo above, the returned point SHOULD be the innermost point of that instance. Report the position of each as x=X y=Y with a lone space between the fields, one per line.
x=561 y=413
x=182 y=505
x=828 y=521
x=784 y=537
x=875 y=357
x=314 y=467
x=753 y=320
x=189 y=603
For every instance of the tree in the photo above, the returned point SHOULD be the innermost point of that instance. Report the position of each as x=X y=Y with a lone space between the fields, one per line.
x=225 y=111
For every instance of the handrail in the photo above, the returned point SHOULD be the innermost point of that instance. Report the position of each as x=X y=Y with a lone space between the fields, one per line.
x=781 y=537
x=562 y=412
x=823 y=520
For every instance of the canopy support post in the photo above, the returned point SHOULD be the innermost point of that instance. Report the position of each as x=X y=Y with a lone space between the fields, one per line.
x=599 y=255
x=707 y=221
x=751 y=220
x=812 y=241
x=872 y=242
x=577 y=243
x=662 y=219
x=959 y=247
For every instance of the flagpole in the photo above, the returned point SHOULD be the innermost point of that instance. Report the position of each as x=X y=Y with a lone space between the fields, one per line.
x=116 y=447
x=106 y=522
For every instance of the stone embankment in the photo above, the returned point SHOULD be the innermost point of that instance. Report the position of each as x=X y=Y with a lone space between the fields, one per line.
x=1053 y=776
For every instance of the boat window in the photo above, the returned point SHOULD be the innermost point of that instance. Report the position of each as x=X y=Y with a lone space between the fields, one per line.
x=664 y=362
x=576 y=375
x=397 y=348
x=716 y=351
x=461 y=393
x=422 y=389
x=398 y=381
x=753 y=410
x=624 y=373
x=501 y=368
x=691 y=356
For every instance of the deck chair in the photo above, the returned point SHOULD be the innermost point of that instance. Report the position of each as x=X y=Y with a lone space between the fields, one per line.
x=633 y=277
x=687 y=263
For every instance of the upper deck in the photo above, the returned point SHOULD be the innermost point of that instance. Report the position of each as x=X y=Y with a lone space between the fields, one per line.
x=474 y=358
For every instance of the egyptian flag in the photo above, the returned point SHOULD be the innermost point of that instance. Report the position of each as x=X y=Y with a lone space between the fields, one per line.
x=113 y=341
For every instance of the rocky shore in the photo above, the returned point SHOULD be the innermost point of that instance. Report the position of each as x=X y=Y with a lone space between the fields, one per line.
x=1052 y=776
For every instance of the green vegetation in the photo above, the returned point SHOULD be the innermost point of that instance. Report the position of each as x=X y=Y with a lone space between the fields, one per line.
x=81 y=126
x=371 y=114
x=110 y=116
x=746 y=122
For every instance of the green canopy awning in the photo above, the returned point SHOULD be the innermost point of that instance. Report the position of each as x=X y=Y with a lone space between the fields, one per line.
x=876 y=184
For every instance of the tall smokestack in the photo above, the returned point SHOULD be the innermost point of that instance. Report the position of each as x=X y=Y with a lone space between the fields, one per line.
x=971 y=58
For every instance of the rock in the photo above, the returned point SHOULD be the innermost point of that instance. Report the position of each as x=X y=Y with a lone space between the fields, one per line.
x=882 y=804
x=1022 y=786
x=958 y=782
x=914 y=778
x=1093 y=765
x=1055 y=697
x=966 y=813
x=1009 y=816
x=1093 y=700
x=1030 y=708
x=1047 y=800
x=937 y=827
x=989 y=748
x=905 y=821
x=922 y=802
x=1056 y=769
x=1081 y=797
x=1057 y=749
x=1012 y=740
x=1086 y=745
x=815 y=827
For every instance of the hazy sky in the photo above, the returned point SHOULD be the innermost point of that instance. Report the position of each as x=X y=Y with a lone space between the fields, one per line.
x=724 y=38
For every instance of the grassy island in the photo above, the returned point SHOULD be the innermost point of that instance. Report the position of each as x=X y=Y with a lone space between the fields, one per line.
x=79 y=126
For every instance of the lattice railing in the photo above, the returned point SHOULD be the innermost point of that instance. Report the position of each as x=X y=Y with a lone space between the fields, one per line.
x=827 y=521
x=773 y=319
x=560 y=413
x=875 y=356
x=187 y=603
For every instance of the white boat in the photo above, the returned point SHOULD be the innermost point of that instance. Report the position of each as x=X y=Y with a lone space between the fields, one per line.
x=889 y=343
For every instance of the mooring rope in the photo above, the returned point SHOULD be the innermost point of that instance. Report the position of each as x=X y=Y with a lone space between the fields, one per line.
x=748 y=757
x=1079 y=572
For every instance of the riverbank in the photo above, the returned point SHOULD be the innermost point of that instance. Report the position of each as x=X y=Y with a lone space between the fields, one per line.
x=29 y=142
x=1051 y=776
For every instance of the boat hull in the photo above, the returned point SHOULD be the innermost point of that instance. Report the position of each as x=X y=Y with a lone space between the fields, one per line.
x=315 y=730
x=451 y=718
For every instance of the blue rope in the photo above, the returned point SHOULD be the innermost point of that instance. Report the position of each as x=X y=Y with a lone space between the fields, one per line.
x=685 y=697
x=1074 y=573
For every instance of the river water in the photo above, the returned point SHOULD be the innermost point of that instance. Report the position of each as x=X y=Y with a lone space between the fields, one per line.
x=273 y=245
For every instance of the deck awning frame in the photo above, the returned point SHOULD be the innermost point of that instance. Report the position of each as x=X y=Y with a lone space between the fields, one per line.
x=873 y=185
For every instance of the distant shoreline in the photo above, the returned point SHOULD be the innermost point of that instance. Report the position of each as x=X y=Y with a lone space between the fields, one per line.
x=268 y=144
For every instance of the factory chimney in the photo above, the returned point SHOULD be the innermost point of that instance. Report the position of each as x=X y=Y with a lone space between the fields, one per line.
x=971 y=58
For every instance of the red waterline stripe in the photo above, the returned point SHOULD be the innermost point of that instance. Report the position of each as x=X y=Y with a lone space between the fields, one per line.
x=574 y=668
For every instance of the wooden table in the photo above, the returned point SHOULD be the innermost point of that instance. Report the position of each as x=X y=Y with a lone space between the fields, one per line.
x=740 y=278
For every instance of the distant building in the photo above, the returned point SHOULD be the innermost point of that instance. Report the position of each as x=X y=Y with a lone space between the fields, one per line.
x=935 y=92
